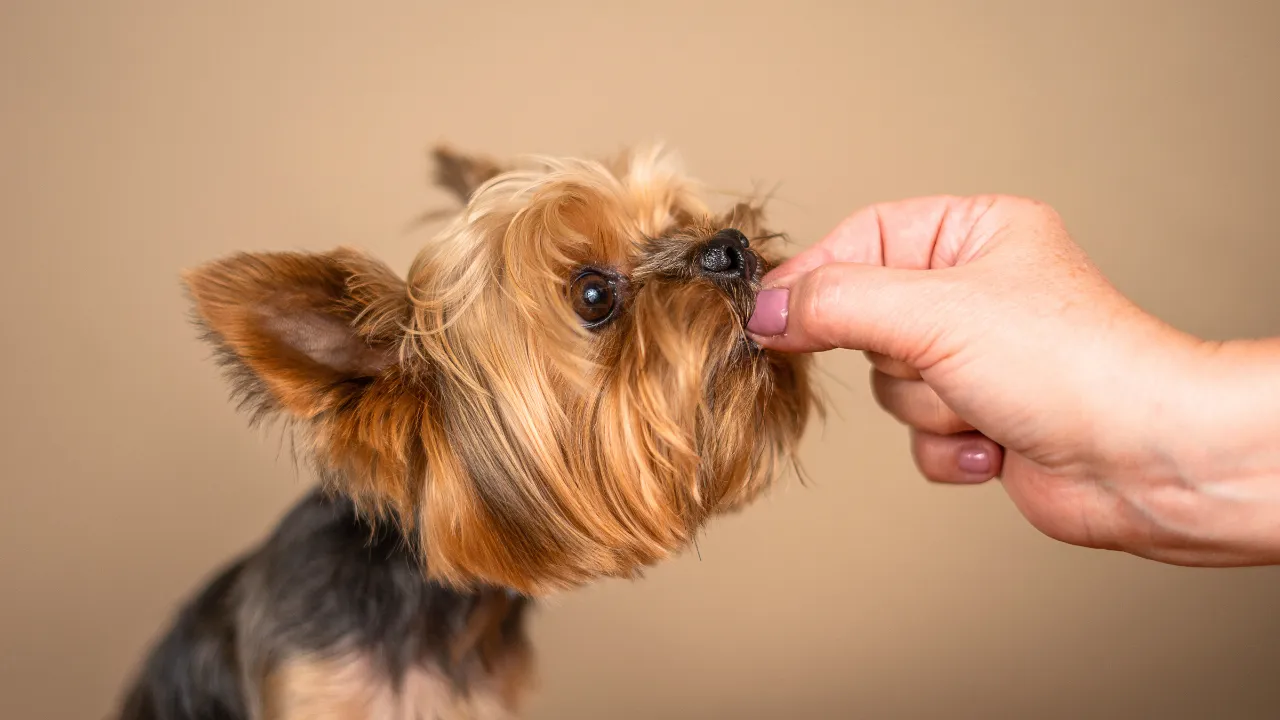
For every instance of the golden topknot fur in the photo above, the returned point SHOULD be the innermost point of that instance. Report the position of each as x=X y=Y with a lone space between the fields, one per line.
x=470 y=405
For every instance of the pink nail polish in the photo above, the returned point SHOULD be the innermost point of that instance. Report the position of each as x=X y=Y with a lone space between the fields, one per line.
x=975 y=459
x=770 y=316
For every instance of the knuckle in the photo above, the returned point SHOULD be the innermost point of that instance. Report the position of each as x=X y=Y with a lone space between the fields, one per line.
x=944 y=420
x=882 y=393
x=1031 y=213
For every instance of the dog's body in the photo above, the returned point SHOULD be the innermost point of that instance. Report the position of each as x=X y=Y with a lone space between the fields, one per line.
x=331 y=617
x=562 y=390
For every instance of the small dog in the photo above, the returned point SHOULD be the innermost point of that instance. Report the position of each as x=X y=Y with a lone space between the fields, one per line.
x=561 y=390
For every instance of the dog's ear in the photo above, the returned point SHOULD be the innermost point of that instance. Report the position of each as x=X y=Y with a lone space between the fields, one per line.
x=461 y=173
x=301 y=332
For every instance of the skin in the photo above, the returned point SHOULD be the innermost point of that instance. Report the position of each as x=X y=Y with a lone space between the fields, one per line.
x=1008 y=355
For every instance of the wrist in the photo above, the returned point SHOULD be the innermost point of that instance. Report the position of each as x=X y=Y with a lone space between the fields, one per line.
x=1217 y=493
x=1232 y=408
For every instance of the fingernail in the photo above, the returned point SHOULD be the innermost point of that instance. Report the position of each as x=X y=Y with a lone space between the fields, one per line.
x=770 y=316
x=975 y=459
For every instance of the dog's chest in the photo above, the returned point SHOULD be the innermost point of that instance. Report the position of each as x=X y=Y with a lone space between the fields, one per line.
x=350 y=688
x=428 y=696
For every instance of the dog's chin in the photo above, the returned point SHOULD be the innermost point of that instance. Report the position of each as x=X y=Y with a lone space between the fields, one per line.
x=743 y=316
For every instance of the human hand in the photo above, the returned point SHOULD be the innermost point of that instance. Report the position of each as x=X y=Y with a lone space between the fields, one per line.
x=1008 y=354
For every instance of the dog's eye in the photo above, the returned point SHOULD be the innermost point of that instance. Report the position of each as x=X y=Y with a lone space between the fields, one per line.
x=594 y=298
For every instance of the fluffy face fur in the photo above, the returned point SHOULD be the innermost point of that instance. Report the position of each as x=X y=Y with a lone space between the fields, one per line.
x=513 y=442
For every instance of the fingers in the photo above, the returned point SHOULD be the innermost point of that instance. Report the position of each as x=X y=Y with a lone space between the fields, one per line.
x=914 y=403
x=861 y=287
x=892 y=312
x=913 y=234
x=967 y=458
x=945 y=447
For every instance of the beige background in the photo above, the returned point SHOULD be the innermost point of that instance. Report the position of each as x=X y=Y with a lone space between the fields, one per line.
x=139 y=138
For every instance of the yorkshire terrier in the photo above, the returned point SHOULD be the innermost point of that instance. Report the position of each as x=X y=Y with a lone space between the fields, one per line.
x=561 y=390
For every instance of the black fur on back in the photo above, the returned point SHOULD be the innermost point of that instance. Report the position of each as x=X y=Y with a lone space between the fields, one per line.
x=324 y=580
x=191 y=673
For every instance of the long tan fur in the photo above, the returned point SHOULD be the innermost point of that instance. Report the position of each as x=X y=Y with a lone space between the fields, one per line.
x=468 y=403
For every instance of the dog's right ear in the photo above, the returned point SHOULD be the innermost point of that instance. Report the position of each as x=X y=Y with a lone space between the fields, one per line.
x=316 y=338
x=461 y=173
x=301 y=332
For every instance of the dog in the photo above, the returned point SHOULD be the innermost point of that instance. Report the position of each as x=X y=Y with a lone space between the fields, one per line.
x=562 y=389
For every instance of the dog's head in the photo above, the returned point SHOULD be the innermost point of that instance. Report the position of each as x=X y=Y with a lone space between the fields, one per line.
x=561 y=389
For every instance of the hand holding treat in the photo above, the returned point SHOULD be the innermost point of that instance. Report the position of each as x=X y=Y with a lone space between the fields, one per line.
x=1007 y=353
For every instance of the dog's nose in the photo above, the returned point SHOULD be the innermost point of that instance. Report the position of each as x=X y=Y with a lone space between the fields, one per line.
x=727 y=254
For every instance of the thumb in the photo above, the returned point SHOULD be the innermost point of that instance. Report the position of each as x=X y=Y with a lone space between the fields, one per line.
x=891 y=311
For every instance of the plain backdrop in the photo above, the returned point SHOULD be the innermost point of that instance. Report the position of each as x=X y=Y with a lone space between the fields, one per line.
x=140 y=138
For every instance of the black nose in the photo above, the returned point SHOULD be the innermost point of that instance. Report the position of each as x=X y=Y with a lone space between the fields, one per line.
x=727 y=255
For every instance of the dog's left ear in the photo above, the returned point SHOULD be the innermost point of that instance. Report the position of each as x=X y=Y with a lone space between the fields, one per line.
x=301 y=332
x=461 y=173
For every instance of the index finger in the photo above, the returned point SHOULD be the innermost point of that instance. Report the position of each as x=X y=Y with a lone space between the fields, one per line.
x=914 y=234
